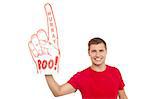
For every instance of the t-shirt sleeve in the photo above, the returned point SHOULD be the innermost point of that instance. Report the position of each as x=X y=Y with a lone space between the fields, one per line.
x=121 y=82
x=74 y=81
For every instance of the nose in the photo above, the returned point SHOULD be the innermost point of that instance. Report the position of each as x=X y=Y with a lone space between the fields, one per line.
x=98 y=54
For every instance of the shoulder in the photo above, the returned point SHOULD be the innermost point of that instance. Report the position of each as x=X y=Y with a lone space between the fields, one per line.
x=79 y=75
x=83 y=72
x=113 y=69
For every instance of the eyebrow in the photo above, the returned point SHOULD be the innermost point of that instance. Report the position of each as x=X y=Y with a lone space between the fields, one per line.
x=98 y=50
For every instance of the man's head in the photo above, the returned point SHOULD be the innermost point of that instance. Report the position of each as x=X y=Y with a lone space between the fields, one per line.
x=97 y=50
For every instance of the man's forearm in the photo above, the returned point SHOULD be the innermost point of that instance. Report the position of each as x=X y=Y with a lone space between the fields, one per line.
x=122 y=94
x=124 y=97
x=53 y=85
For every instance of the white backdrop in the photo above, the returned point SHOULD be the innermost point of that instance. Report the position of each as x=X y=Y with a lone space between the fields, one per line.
x=125 y=25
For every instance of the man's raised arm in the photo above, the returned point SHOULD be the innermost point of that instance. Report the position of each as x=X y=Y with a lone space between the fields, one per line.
x=58 y=90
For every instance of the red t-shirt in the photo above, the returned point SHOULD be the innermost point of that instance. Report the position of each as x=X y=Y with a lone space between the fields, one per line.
x=98 y=85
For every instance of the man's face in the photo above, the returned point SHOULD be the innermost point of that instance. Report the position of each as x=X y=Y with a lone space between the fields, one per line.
x=97 y=53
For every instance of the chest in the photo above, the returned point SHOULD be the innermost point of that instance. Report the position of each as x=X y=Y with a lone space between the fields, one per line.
x=101 y=84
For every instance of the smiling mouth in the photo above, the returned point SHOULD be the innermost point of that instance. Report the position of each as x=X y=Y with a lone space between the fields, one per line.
x=98 y=59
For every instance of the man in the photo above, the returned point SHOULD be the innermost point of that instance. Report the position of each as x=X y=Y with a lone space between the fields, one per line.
x=98 y=81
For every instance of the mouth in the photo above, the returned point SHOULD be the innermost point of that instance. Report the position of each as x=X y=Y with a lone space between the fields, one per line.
x=98 y=59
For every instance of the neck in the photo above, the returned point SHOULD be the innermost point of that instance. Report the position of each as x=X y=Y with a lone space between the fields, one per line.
x=98 y=68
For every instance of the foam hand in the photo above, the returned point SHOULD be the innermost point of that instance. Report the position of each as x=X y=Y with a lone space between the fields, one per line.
x=44 y=46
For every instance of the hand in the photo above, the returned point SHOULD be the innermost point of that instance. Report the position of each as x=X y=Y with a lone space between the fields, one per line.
x=44 y=45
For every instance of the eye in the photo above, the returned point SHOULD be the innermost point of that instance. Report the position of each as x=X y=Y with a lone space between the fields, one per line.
x=93 y=51
x=101 y=50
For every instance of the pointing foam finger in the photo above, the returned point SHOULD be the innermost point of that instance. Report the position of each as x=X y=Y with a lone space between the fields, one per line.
x=52 y=29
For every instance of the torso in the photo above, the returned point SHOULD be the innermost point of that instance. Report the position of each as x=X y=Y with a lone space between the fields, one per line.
x=99 y=84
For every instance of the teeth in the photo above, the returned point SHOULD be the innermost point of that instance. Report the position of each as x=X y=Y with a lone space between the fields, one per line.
x=98 y=59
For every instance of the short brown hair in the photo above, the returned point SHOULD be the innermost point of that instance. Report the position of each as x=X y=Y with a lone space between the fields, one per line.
x=96 y=40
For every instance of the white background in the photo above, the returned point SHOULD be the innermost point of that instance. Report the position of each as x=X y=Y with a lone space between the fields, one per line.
x=124 y=24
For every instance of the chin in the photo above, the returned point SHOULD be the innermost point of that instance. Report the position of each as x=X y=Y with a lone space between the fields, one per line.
x=97 y=64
